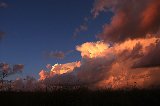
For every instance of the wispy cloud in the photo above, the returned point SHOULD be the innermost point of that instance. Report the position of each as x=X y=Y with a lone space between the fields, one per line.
x=2 y=35
x=83 y=27
x=58 y=54
x=3 y=5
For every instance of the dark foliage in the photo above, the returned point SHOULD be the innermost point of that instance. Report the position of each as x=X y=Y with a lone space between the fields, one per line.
x=83 y=97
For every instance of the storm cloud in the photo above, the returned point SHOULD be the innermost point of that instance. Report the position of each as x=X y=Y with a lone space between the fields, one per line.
x=131 y=19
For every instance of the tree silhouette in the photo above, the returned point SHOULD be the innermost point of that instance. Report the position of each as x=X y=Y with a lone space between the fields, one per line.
x=6 y=70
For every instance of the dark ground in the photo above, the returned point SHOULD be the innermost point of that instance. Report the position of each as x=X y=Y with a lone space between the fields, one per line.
x=82 y=97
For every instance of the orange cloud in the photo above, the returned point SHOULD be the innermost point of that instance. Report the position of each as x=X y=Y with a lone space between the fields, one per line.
x=108 y=66
x=92 y=49
x=130 y=20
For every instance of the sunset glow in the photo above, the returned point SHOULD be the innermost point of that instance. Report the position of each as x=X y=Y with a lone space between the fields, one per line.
x=115 y=45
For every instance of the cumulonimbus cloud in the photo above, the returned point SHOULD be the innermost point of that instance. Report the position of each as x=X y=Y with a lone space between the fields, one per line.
x=105 y=65
x=131 y=18
x=152 y=58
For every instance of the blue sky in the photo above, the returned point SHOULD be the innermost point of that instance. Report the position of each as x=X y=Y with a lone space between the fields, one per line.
x=34 y=27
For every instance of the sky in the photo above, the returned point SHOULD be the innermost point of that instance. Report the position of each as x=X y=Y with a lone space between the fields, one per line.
x=112 y=43
x=34 y=28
